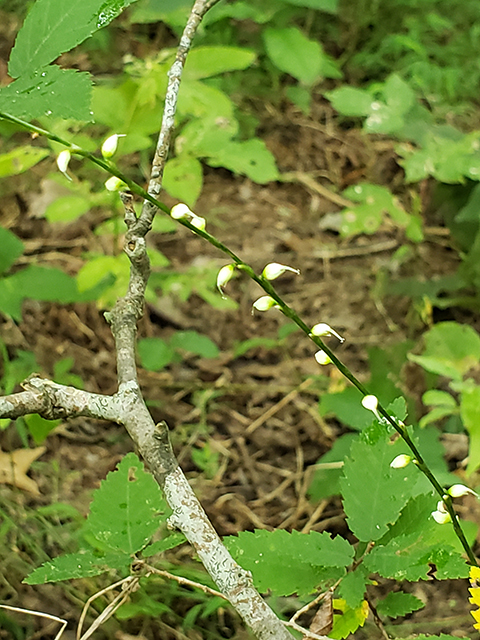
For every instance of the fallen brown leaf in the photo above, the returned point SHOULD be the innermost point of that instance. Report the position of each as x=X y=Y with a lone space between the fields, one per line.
x=14 y=467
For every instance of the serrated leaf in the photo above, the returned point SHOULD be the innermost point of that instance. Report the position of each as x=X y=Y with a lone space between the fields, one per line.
x=384 y=490
x=55 y=26
x=349 y=621
x=20 y=159
x=84 y=564
x=12 y=248
x=195 y=343
x=326 y=482
x=307 y=560
x=352 y=588
x=171 y=541
x=51 y=91
x=127 y=509
x=397 y=604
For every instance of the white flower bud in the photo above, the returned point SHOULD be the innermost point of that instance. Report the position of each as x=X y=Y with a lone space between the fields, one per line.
x=224 y=276
x=63 y=159
x=115 y=184
x=322 y=358
x=441 y=517
x=198 y=222
x=370 y=403
x=459 y=490
x=180 y=211
x=441 y=506
x=400 y=461
x=264 y=303
x=323 y=329
x=110 y=145
x=274 y=270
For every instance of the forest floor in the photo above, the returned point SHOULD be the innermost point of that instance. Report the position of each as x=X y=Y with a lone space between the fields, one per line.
x=254 y=416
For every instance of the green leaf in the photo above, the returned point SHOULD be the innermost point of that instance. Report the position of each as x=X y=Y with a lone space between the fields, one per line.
x=204 y=62
x=329 y=6
x=39 y=428
x=67 y=208
x=84 y=564
x=251 y=158
x=51 y=91
x=352 y=587
x=439 y=398
x=384 y=490
x=159 y=546
x=451 y=349
x=20 y=159
x=346 y=405
x=155 y=354
x=12 y=248
x=45 y=283
x=397 y=604
x=128 y=508
x=470 y=414
x=326 y=482
x=307 y=559
x=183 y=178
x=195 y=343
x=55 y=26
x=294 y=53
x=350 y=101
x=398 y=94
x=350 y=620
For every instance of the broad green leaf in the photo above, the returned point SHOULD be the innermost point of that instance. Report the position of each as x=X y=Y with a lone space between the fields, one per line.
x=44 y=283
x=203 y=62
x=470 y=414
x=350 y=101
x=383 y=119
x=195 y=343
x=84 y=564
x=251 y=158
x=155 y=354
x=49 y=91
x=307 y=559
x=294 y=53
x=329 y=6
x=451 y=349
x=434 y=397
x=12 y=248
x=326 y=482
x=128 y=507
x=38 y=427
x=398 y=603
x=398 y=94
x=20 y=159
x=385 y=491
x=346 y=405
x=109 y=273
x=201 y=100
x=183 y=178
x=67 y=208
x=55 y=26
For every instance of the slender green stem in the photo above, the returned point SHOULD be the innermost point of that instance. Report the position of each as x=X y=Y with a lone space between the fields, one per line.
x=266 y=285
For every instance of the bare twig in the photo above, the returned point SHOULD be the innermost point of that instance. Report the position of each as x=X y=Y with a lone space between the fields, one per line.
x=39 y=614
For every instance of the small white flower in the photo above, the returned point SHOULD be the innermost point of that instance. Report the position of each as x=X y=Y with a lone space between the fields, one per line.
x=322 y=358
x=63 y=159
x=441 y=507
x=110 y=145
x=323 y=329
x=459 y=490
x=224 y=276
x=264 y=303
x=371 y=403
x=115 y=184
x=274 y=270
x=401 y=461
x=198 y=222
x=441 y=517
x=180 y=211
